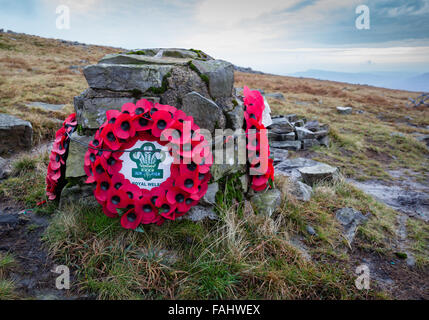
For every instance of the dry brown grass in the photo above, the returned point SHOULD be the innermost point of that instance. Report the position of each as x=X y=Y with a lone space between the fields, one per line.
x=37 y=69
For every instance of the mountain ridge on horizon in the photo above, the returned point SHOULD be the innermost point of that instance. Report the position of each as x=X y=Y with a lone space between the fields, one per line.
x=410 y=81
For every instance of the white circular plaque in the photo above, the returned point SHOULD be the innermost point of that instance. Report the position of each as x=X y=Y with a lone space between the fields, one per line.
x=146 y=164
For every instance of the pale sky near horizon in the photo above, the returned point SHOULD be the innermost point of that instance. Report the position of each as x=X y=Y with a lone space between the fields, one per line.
x=278 y=36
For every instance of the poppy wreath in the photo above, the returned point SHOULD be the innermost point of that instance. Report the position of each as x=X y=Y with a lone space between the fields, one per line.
x=57 y=160
x=253 y=109
x=167 y=126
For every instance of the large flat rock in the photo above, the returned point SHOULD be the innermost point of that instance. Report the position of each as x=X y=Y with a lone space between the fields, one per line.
x=15 y=134
x=76 y=156
x=125 y=77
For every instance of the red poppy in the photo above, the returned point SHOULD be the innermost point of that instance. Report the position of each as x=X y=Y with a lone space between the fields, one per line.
x=143 y=106
x=147 y=210
x=133 y=191
x=104 y=184
x=165 y=208
x=161 y=120
x=117 y=199
x=109 y=137
x=142 y=122
x=112 y=164
x=123 y=126
x=129 y=108
x=131 y=219
x=112 y=115
x=188 y=181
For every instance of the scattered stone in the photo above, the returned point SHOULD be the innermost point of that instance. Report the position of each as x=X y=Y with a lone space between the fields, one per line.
x=324 y=141
x=308 y=143
x=303 y=133
x=206 y=113
x=299 y=123
x=210 y=196
x=291 y=117
x=310 y=230
x=312 y=125
x=198 y=213
x=266 y=202
x=15 y=134
x=45 y=106
x=288 y=145
x=289 y=167
x=281 y=125
x=349 y=218
x=344 y=110
x=281 y=136
x=300 y=191
x=275 y=95
x=318 y=173
x=279 y=154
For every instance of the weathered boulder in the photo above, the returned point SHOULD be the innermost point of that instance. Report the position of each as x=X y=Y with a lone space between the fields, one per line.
x=206 y=113
x=15 y=134
x=220 y=75
x=318 y=173
x=210 y=197
x=350 y=218
x=300 y=190
x=125 y=77
x=266 y=202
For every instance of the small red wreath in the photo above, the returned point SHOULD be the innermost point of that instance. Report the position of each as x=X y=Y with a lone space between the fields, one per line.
x=144 y=121
x=254 y=108
x=58 y=158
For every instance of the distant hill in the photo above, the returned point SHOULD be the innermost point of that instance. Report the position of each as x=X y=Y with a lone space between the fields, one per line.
x=391 y=80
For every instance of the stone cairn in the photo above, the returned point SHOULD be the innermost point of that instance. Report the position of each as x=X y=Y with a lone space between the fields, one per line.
x=196 y=83
x=190 y=80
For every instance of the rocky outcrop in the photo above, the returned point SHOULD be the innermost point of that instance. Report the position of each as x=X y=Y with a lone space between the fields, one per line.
x=15 y=134
x=206 y=113
x=289 y=132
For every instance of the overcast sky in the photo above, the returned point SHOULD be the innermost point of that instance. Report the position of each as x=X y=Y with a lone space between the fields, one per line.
x=279 y=36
